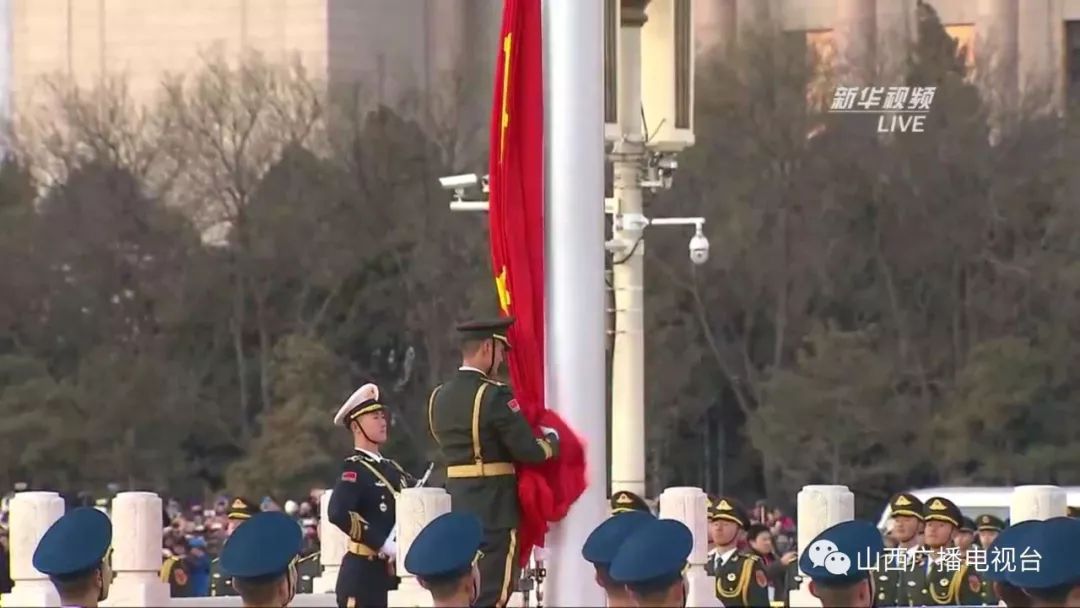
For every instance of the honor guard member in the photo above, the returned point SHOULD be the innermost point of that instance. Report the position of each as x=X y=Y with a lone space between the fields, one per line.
x=651 y=563
x=949 y=581
x=740 y=575
x=965 y=536
x=987 y=528
x=624 y=502
x=175 y=572
x=602 y=545
x=443 y=558
x=308 y=569
x=840 y=563
x=240 y=510
x=261 y=559
x=363 y=503
x=1052 y=577
x=901 y=581
x=74 y=553
x=481 y=433
x=995 y=578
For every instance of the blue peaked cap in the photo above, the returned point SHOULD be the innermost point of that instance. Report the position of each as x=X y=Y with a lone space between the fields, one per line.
x=75 y=544
x=602 y=544
x=653 y=555
x=854 y=544
x=446 y=547
x=1047 y=551
x=264 y=547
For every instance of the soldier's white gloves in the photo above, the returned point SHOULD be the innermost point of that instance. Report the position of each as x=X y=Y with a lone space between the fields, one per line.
x=547 y=430
x=389 y=548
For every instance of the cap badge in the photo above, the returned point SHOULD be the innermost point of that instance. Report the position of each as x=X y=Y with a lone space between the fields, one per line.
x=624 y=499
x=724 y=506
x=937 y=505
x=902 y=501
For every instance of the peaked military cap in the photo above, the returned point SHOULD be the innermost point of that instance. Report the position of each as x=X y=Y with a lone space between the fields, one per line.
x=967 y=524
x=653 y=556
x=623 y=501
x=604 y=541
x=1011 y=540
x=364 y=400
x=907 y=504
x=242 y=508
x=446 y=548
x=842 y=555
x=263 y=548
x=487 y=329
x=75 y=544
x=725 y=508
x=989 y=522
x=1050 y=544
x=942 y=509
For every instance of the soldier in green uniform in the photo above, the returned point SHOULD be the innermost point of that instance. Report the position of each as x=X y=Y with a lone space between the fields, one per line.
x=987 y=529
x=950 y=581
x=900 y=574
x=308 y=569
x=240 y=510
x=625 y=501
x=480 y=432
x=740 y=575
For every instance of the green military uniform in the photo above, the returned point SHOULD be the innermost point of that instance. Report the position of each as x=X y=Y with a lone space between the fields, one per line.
x=988 y=523
x=240 y=509
x=624 y=501
x=481 y=433
x=896 y=581
x=944 y=585
x=740 y=579
x=175 y=572
x=308 y=568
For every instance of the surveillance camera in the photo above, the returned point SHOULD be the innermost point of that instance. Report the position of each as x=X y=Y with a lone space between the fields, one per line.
x=699 y=248
x=459 y=182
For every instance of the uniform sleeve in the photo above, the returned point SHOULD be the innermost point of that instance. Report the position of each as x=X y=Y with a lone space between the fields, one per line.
x=757 y=594
x=971 y=588
x=346 y=503
x=514 y=432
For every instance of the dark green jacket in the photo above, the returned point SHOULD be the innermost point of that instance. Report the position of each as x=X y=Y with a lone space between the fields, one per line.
x=742 y=581
x=476 y=423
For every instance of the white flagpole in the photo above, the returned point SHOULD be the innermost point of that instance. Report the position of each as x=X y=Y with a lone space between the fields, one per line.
x=574 y=281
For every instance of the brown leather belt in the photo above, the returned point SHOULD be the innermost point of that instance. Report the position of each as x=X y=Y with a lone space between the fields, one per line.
x=480 y=469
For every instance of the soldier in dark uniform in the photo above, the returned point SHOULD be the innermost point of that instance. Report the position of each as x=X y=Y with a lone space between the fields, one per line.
x=625 y=501
x=946 y=584
x=480 y=432
x=308 y=569
x=240 y=510
x=965 y=536
x=740 y=576
x=897 y=581
x=443 y=558
x=363 y=504
x=988 y=527
x=261 y=560
x=75 y=554
x=651 y=563
x=602 y=545
x=860 y=543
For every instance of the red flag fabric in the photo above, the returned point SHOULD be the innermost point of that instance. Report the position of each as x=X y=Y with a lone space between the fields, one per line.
x=516 y=216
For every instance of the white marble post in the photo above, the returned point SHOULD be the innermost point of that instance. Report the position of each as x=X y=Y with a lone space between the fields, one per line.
x=819 y=507
x=416 y=507
x=32 y=513
x=136 y=560
x=1037 y=502
x=690 y=506
x=333 y=544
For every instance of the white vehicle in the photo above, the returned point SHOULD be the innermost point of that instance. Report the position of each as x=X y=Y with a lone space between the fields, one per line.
x=976 y=500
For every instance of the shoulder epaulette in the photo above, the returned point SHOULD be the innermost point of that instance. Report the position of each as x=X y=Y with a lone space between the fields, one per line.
x=494 y=382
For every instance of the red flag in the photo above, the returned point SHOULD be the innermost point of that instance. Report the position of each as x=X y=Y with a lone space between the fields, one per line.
x=516 y=216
